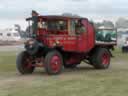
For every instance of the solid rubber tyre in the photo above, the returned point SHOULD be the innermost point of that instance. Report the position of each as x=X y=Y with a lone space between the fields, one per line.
x=53 y=63
x=22 y=64
x=101 y=58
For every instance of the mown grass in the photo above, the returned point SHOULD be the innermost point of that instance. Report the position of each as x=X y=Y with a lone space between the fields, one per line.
x=83 y=81
x=7 y=61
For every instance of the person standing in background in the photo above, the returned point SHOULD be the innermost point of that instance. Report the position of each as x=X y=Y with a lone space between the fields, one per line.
x=125 y=46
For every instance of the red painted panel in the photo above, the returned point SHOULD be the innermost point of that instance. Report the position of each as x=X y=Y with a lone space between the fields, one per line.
x=67 y=42
x=77 y=43
x=86 y=40
x=83 y=38
x=91 y=36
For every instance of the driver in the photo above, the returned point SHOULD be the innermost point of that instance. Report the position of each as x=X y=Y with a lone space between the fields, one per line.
x=80 y=28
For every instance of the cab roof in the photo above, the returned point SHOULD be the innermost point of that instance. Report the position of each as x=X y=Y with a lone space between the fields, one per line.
x=57 y=17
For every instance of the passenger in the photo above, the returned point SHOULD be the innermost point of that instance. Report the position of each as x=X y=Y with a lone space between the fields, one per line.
x=40 y=24
x=80 y=28
x=34 y=22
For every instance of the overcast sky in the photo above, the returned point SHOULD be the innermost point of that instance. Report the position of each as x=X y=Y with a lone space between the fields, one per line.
x=14 y=11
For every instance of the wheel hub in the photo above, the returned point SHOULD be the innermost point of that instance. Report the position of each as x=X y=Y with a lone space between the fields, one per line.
x=55 y=63
x=105 y=59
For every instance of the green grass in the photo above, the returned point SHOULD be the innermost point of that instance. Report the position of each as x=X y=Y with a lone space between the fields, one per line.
x=7 y=61
x=83 y=81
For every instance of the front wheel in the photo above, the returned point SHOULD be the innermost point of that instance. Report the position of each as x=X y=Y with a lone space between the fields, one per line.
x=53 y=63
x=23 y=63
x=101 y=58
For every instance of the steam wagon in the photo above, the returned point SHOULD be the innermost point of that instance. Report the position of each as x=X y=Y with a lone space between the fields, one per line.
x=64 y=42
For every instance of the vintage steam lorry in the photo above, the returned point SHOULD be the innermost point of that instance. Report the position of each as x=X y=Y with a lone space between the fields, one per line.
x=58 y=44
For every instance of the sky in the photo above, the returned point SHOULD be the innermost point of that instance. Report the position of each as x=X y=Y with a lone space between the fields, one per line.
x=15 y=11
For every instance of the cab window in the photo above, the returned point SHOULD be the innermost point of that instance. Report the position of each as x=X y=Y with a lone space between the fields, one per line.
x=77 y=27
x=54 y=26
x=72 y=27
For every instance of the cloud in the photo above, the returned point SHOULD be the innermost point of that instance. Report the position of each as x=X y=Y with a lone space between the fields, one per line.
x=20 y=9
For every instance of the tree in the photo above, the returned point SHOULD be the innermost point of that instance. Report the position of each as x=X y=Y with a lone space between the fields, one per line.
x=105 y=23
x=122 y=23
x=97 y=25
x=108 y=24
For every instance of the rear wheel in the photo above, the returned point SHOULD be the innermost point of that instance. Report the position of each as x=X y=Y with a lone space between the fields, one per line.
x=101 y=59
x=53 y=63
x=23 y=63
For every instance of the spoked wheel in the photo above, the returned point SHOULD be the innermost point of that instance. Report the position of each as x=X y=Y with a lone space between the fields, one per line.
x=53 y=63
x=105 y=59
x=101 y=59
x=23 y=62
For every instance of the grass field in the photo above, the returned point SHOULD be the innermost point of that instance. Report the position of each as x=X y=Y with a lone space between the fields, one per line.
x=83 y=81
